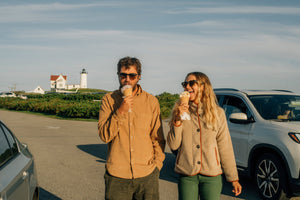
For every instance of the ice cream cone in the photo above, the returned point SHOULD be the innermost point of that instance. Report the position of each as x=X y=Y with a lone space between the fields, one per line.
x=185 y=97
x=126 y=90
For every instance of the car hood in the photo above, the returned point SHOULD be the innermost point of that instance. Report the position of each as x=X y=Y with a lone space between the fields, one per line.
x=291 y=126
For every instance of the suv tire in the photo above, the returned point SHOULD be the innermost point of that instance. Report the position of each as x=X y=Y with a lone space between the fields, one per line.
x=269 y=177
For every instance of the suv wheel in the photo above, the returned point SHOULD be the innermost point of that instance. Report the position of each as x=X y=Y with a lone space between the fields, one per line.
x=269 y=177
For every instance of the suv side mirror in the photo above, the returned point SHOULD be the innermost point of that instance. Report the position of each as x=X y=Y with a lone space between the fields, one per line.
x=240 y=118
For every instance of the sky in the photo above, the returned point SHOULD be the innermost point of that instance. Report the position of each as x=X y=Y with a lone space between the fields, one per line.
x=244 y=44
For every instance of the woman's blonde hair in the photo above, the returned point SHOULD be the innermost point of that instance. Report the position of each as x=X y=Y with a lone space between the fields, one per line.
x=208 y=103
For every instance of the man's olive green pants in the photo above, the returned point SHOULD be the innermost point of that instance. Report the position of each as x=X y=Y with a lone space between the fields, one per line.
x=207 y=187
x=145 y=188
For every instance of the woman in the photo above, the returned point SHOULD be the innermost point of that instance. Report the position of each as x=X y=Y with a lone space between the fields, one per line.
x=203 y=143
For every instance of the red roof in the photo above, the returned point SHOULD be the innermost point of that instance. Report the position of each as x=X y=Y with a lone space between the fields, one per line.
x=55 y=77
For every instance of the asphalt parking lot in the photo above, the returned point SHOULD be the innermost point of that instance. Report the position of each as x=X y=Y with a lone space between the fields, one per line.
x=70 y=159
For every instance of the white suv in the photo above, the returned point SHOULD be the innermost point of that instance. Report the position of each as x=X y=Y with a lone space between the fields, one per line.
x=265 y=132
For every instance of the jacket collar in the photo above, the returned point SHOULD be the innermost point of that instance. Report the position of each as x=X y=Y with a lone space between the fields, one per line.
x=139 y=90
x=196 y=108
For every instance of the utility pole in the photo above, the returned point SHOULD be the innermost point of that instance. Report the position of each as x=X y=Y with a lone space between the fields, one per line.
x=13 y=88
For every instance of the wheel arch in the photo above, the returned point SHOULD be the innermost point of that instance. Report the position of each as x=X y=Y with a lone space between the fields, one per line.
x=261 y=149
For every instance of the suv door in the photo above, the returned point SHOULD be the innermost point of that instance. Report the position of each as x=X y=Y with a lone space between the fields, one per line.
x=239 y=132
x=14 y=183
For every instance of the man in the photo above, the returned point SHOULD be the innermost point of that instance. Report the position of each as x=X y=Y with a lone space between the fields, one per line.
x=131 y=125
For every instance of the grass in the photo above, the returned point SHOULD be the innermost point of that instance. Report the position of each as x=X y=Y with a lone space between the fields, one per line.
x=52 y=116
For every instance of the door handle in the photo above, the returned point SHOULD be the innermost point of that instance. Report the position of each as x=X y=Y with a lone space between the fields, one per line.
x=25 y=175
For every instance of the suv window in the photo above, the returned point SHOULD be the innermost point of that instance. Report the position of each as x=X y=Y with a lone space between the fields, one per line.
x=5 y=151
x=277 y=107
x=233 y=104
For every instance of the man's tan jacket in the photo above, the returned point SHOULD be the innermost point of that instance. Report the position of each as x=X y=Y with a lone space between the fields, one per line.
x=135 y=139
x=202 y=150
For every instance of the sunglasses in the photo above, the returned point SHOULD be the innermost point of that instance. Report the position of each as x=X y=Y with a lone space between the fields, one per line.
x=132 y=76
x=191 y=83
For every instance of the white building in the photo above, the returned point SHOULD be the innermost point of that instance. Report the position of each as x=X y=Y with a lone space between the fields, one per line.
x=59 y=82
x=83 y=79
x=38 y=90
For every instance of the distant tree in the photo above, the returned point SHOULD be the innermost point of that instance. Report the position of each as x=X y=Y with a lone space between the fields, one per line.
x=166 y=102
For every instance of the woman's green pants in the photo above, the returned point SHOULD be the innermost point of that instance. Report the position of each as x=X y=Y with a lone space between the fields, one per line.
x=207 y=187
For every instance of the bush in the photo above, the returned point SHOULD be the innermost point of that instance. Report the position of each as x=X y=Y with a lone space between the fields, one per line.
x=166 y=102
x=54 y=106
x=74 y=105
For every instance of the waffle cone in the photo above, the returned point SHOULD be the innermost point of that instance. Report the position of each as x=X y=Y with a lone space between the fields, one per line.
x=184 y=99
x=127 y=92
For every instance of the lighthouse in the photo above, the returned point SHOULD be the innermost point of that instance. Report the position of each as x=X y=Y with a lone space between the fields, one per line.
x=83 y=79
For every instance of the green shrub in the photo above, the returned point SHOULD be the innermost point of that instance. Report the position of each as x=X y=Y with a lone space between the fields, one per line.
x=166 y=102
x=74 y=105
x=54 y=106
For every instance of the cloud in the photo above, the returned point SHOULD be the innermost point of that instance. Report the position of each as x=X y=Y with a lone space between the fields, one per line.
x=46 y=12
x=238 y=10
x=233 y=52
x=26 y=47
x=257 y=44
x=69 y=34
x=55 y=7
x=241 y=24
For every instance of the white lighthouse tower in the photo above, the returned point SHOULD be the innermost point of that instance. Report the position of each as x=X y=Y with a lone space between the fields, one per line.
x=83 y=79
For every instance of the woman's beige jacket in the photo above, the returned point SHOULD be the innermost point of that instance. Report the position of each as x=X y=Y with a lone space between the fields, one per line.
x=202 y=150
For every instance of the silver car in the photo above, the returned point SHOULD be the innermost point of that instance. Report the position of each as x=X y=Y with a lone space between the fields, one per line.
x=18 y=177
x=265 y=131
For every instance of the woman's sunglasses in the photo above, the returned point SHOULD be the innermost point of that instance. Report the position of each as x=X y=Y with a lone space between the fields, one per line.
x=191 y=83
x=132 y=76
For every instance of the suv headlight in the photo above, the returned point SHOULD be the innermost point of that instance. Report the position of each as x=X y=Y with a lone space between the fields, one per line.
x=295 y=137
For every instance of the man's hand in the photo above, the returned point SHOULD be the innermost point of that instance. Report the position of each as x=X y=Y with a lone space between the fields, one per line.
x=126 y=104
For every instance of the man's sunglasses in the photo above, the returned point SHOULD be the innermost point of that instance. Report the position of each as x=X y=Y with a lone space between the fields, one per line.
x=191 y=83
x=132 y=76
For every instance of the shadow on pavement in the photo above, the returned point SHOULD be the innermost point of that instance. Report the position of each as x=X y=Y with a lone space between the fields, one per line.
x=100 y=151
x=167 y=172
x=248 y=189
x=97 y=150
x=45 y=195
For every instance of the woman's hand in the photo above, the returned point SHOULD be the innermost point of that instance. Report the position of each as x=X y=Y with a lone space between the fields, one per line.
x=183 y=107
x=237 y=188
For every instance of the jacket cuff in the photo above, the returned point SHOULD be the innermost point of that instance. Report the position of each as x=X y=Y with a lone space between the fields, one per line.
x=233 y=181
x=177 y=125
